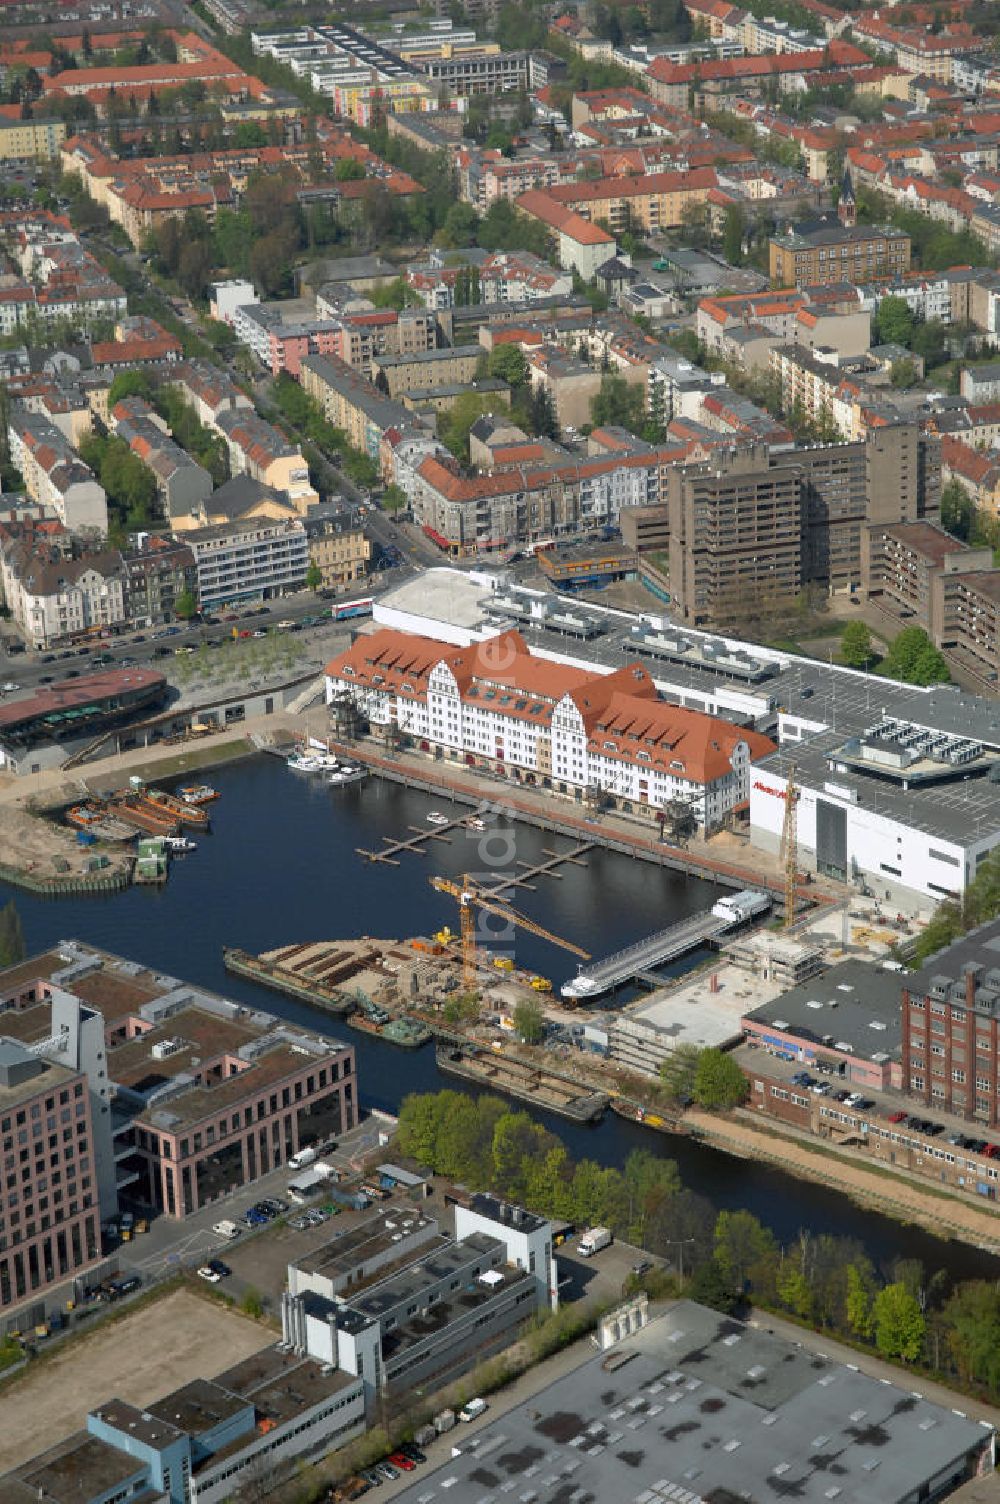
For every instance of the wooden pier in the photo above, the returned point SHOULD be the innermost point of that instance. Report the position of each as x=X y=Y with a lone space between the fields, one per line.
x=541 y=869
x=417 y=842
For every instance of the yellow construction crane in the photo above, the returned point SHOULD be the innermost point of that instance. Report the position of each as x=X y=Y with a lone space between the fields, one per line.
x=790 y=845
x=472 y=897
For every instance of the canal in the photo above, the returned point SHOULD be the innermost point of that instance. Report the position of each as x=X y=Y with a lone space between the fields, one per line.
x=280 y=866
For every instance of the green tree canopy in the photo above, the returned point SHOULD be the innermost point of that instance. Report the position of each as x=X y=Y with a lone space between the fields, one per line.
x=394 y=498
x=618 y=403
x=895 y=322
x=914 y=659
x=314 y=576
x=185 y=605
x=509 y=363
x=856 y=645
x=719 y=1084
x=678 y=1070
x=129 y=384
x=529 y=1021
x=898 y=1323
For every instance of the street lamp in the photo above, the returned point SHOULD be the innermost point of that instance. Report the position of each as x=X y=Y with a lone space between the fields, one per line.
x=679 y=1244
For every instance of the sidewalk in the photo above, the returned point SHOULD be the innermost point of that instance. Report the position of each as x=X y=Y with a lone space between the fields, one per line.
x=940 y=1213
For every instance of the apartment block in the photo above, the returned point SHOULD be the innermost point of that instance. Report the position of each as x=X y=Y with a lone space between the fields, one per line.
x=183 y=485
x=353 y=403
x=156 y=575
x=425 y=369
x=54 y=475
x=31 y=140
x=337 y=546
x=248 y=559
x=54 y=598
x=735 y=535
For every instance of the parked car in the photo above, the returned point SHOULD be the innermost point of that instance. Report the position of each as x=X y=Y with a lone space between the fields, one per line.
x=404 y=1463
x=896 y=1117
x=388 y=1472
x=414 y=1453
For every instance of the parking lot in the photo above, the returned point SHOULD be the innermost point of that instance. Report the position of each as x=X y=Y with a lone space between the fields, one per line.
x=140 y=1357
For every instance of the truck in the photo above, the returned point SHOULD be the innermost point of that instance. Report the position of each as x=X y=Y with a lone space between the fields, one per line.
x=593 y=1240
x=740 y=907
x=303 y=1158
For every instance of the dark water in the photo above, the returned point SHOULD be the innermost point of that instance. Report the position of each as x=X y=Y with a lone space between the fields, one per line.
x=280 y=866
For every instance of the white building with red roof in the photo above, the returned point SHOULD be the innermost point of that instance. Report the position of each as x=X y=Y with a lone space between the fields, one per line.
x=574 y=729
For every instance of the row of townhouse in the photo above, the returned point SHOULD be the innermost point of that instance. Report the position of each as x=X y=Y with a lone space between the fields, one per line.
x=256 y=448
x=467 y=514
x=574 y=730
x=183 y=485
x=59 y=279
x=673 y=83
x=54 y=594
x=54 y=475
x=354 y=404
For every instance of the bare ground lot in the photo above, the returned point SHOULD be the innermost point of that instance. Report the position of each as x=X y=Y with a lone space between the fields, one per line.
x=141 y=1357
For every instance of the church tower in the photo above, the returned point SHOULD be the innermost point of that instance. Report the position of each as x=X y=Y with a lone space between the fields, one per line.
x=847 y=208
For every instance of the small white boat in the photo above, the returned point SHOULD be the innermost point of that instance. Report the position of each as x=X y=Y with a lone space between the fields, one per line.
x=312 y=762
x=176 y=844
x=436 y=818
x=475 y=823
x=347 y=774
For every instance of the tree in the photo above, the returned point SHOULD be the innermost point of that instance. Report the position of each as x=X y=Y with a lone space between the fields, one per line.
x=185 y=605
x=732 y=235
x=508 y=363
x=856 y=645
x=957 y=510
x=898 y=1323
x=12 y=947
x=394 y=498
x=745 y=1250
x=794 y=1290
x=858 y=1309
x=349 y=170
x=529 y=1021
x=719 y=1084
x=903 y=374
x=678 y=1071
x=710 y=1287
x=129 y=384
x=914 y=659
x=895 y=322
x=618 y=404
x=314 y=576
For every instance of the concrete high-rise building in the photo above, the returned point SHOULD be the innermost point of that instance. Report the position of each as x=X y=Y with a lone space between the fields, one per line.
x=735 y=534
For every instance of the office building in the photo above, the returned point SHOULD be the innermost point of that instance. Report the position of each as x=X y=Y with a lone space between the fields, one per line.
x=248 y=559
x=400 y=1304
x=206 y=1097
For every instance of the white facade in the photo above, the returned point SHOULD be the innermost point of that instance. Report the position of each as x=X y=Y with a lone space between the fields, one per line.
x=888 y=852
x=55 y=476
x=252 y=560
x=48 y=611
x=229 y=297
x=528 y=1240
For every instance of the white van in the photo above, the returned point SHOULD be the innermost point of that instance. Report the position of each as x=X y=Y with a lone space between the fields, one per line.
x=473 y=1410
x=302 y=1158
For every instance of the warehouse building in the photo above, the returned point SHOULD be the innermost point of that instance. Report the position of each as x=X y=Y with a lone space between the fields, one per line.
x=694 y=1407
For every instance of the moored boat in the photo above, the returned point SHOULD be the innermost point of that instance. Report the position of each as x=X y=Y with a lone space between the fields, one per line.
x=437 y=818
x=347 y=774
x=136 y=810
x=198 y=793
x=178 y=844
x=179 y=809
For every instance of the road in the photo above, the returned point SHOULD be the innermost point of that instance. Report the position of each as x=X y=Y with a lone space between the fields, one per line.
x=32 y=670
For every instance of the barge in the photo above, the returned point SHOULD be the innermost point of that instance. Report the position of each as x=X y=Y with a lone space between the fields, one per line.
x=526 y=1083
x=269 y=973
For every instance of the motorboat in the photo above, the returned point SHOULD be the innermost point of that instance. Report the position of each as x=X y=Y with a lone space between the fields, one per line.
x=177 y=844
x=313 y=762
x=437 y=818
x=474 y=823
x=347 y=774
